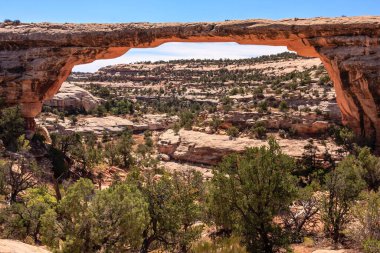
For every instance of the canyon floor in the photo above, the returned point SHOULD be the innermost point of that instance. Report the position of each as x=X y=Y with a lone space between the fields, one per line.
x=290 y=97
x=187 y=115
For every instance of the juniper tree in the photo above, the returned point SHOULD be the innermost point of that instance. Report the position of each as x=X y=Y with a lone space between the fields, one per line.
x=248 y=190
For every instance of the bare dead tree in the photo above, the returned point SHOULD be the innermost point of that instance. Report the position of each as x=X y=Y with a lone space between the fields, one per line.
x=301 y=218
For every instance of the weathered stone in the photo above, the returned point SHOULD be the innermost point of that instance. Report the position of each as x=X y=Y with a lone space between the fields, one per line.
x=163 y=157
x=41 y=130
x=159 y=121
x=184 y=167
x=316 y=127
x=98 y=125
x=332 y=251
x=197 y=147
x=109 y=123
x=71 y=97
x=36 y=58
x=331 y=109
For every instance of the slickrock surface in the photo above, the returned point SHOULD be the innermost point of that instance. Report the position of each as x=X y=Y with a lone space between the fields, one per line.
x=36 y=58
x=71 y=97
x=109 y=123
x=98 y=125
x=11 y=246
x=197 y=147
x=181 y=167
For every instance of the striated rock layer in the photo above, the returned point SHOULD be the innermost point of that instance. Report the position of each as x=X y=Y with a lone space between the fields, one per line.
x=209 y=149
x=36 y=58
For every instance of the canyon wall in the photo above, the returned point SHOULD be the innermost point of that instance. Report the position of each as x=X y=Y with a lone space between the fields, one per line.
x=35 y=59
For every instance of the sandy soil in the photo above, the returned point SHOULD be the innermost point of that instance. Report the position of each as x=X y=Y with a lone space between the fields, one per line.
x=11 y=246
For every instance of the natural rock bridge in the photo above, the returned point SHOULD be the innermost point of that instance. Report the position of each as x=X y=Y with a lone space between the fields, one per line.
x=36 y=58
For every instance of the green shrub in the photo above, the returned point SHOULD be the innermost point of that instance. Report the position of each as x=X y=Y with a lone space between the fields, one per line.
x=367 y=214
x=233 y=132
x=215 y=123
x=344 y=185
x=283 y=107
x=222 y=245
x=248 y=190
x=186 y=119
x=263 y=106
x=12 y=126
x=110 y=220
x=324 y=79
x=371 y=246
x=258 y=131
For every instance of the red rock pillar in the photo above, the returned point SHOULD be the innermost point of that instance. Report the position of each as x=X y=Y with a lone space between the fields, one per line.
x=29 y=111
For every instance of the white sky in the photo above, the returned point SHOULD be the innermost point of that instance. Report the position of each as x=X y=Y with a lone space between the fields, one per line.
x=176 y=50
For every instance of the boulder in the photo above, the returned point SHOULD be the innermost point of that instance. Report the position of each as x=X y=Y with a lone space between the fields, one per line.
x=316 y=127
x=71 y=97
x=163 y=157
x=184 y=167
x=41 y=130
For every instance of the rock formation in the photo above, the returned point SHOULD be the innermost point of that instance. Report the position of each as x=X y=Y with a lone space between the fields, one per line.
x=36 y=58
x=71 y=97
x=110 y=124
x=317 y=127
x=209 y=149
x=307 y=124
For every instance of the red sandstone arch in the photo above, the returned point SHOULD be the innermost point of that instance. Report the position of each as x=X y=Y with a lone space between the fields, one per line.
x=36 y=58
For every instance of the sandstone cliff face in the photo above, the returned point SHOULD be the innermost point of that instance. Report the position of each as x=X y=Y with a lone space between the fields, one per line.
x=209 y=149
x=36 y=58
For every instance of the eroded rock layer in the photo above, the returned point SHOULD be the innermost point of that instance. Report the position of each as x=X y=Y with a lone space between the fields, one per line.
x=209 y=149
x=36 y=58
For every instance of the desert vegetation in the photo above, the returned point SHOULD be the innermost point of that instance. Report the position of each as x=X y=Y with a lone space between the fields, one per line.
x=142 y=185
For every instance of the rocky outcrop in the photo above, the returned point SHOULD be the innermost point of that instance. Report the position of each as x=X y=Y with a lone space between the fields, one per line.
x=88 y=124
x=303 y=123
x=155 y=122
x=317 y=127
x=36 y=58
x=331 y=109
x=171 y=167
x=209 y=149
x=71 y=97
x=109 y=124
